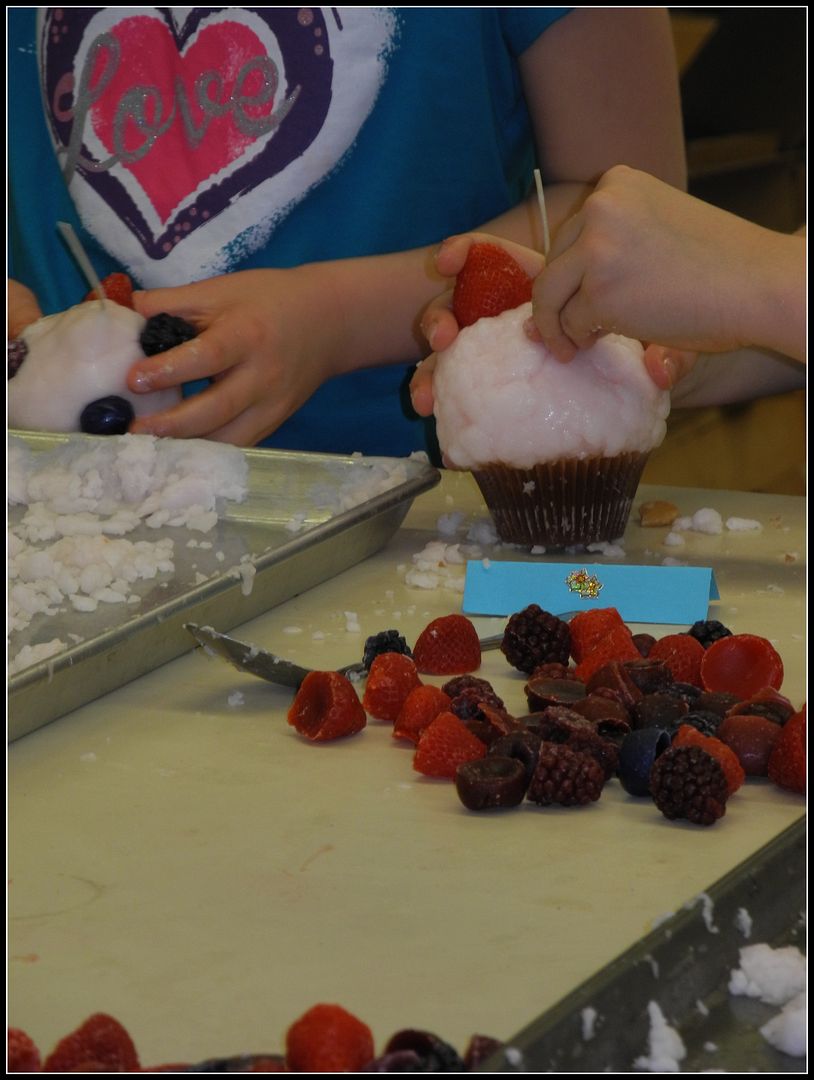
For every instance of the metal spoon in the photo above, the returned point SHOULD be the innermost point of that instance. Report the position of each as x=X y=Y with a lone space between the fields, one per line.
x=267 y=665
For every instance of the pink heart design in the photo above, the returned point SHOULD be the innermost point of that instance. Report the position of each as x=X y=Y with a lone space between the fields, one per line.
x=184 y=94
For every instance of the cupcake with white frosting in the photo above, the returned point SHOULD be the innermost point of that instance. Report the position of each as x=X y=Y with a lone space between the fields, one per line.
x=557 y=449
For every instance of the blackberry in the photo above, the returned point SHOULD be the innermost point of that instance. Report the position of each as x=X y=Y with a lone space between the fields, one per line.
x=684 y=691
x=467 y=704
x=705 y=722
x=453 y=687
x=435 y=1055
x=565 y=776
x=17 y=352
x=659 y=710
x=708 y=631
x=649 y=675
x=491 y=782
x=644 y=643
x=163 y=332
x=554 y=671
x=241 y=1063
x=533 y=637
x=687 y=782
x=383 y=642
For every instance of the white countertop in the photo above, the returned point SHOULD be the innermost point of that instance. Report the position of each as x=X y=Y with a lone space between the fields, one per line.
x=199 y=871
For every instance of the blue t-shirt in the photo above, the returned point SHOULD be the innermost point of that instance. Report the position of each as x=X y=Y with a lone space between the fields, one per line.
x=187 y=142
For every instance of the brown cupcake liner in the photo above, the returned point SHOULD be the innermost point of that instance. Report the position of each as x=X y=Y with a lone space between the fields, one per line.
x=562 y=503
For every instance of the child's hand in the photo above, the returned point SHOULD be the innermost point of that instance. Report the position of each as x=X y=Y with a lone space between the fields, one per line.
x=266 y=340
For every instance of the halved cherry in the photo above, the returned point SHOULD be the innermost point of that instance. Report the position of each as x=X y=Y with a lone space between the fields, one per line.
x=741 y=664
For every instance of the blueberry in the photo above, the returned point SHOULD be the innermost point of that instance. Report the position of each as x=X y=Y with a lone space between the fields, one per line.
x=637 y=754
x=106 y=416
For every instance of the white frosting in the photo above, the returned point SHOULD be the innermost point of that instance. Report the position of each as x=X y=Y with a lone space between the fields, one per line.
x=500 y=397
x=74 y=358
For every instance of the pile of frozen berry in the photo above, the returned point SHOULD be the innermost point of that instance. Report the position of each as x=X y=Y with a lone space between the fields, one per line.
x=327 y=1038
x=682 y=720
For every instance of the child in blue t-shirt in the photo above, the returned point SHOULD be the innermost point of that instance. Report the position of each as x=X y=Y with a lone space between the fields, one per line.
x=277 y=176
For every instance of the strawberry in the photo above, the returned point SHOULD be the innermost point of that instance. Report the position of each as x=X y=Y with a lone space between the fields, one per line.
x=589 y=627
x=100 y=1041
x=391 y=678
x=23 y=1055
x=615 y=644
x=682 y=654
x=787 y=762
x=490 y=282
x=421 y=707
x=445 y=745
x=116 y=287
x=326 y=706
x=327 y=1038
x=687 y=735
x=448 y=646
x=741 y=664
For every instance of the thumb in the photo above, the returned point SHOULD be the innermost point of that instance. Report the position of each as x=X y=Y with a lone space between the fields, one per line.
x=667 y=366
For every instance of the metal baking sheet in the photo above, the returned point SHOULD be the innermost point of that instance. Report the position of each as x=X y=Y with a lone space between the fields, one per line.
x=684 y=965
x=118 y=645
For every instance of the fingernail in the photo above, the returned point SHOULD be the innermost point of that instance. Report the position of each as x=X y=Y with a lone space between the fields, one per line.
x=141 y=381
x=429 y=333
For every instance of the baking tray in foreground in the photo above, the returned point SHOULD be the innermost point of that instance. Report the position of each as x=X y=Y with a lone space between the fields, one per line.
x=211 y=585
x=684 y=965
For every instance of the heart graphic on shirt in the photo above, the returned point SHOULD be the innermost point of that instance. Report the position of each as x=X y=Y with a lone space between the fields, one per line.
x=171 y=115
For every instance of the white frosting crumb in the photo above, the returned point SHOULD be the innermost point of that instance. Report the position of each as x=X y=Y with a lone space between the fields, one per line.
x=774 y=976
x=449 y=524
x=514 y=1057
x=701 y=1007
x=673 y=539
x=739 y=524
x=668 y=560
x=292 y=629
x=538 y=549
x=589 y=1017
x=352 y=622
x=604 y=547
x=235 y=700
x=743 y=922
x=666 y=1047
x=788 y=1030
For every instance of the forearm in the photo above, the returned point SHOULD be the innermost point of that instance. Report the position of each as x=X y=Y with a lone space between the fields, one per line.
x=775 y=299
x=728 y=378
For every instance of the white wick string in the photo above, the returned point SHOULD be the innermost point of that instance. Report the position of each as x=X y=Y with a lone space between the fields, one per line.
x=84 y=263
x=544 y=216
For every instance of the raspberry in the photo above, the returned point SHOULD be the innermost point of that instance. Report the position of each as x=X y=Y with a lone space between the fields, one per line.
x=682 y=691
x=101 y=1040
x=614 y=681
x=682 y=654
x=616 y=644
x=445 y=745
x=326 y=707
x=752 y=738
x=384 y=641
x=533 y=637
x=768 y=703
x=589 y=627
x=23 y=1055
x=687 y=735
x=741 y=664
x=644 y=643
x=541 y=691
x=244 y=1063
x=565 y=776
x=391 y=678
x=717 y=703
x=566 y=728
x=708 y=631
x=448 y=646
x=17 y=352
x=420 y=708
x=327 y=1038
x=787 y=762
x=163 y=332
x=490 y=282
x=687 y=782
x=479 y=1048
x=650 y=676
x=117 y=287
x=554 y=671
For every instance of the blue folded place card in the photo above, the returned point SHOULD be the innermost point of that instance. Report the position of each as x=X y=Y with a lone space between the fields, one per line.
x=641 y=594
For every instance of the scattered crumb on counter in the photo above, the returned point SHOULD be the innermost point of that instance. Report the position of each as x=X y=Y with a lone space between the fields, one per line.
x=89 y=757
x=609 y=550
x=292 y=630
x=739 y=524
x=235 y=700
x=666 y=1047
x=701 y=1007
x=657 y=512
x=514 y=1057
x=787 y=1031
x=668 y=560
x=673 y=539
